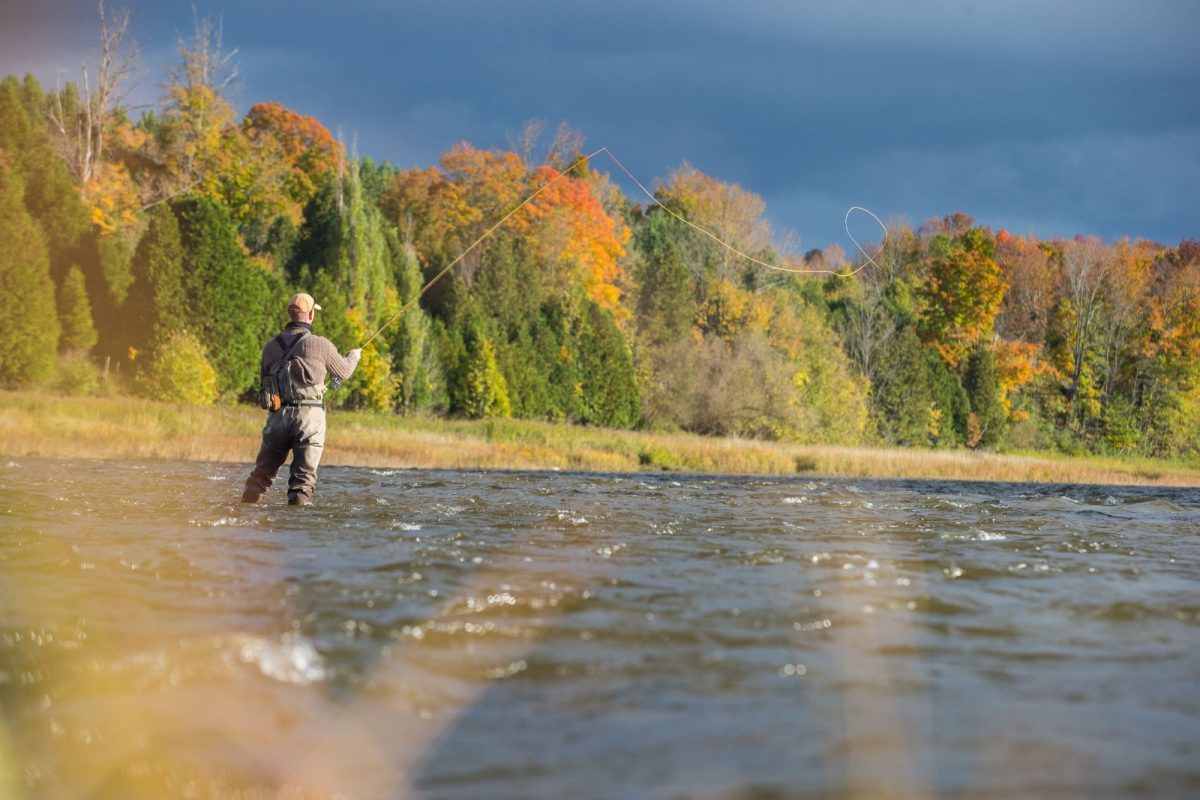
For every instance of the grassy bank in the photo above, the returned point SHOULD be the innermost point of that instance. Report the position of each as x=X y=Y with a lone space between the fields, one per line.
x=33 y=424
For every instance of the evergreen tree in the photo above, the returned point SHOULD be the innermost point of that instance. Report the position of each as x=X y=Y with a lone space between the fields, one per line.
x=365 y=264
x=983 y=392
x=51 y=196
x=480 y=389
x=905 y=410
x=114 y=253
x=410 y=337
x=231 y=303
x=331 y=321
x=27 y=309
x=950 y=402
x=666 y=301
x=18 y=137
x=477 y=386
x=345 y=236
x=316 y=248
x=156 y=303
x=75 y=312
x=608 y=383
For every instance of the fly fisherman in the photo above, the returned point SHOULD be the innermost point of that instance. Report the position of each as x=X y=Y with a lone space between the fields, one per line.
x=294 y=365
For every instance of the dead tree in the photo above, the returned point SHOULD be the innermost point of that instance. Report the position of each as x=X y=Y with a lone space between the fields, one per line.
x=79 y=131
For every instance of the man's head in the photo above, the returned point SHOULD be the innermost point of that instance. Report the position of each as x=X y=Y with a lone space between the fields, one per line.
x=301 y=307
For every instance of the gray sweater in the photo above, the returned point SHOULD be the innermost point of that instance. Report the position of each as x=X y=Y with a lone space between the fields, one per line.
x=316 y=356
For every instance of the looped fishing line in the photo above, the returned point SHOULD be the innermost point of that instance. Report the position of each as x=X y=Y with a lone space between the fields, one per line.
x=869 y=258
x=846 y=224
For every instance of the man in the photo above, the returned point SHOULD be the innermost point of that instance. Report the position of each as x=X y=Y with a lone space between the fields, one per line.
x=299 y=423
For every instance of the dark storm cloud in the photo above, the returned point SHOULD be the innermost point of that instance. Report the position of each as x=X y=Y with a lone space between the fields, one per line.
x=1054 y=118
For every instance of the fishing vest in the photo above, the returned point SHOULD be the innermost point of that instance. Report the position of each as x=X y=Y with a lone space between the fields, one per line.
x=285 y=383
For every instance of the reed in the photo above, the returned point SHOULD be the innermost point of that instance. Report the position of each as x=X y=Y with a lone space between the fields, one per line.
x=125 y=428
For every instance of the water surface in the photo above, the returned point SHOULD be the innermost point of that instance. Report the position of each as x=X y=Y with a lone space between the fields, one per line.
x=438 y=634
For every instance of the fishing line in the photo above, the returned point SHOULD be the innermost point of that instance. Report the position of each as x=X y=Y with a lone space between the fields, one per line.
x=846 y=222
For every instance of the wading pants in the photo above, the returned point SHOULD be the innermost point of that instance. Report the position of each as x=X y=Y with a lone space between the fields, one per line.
x=301 y=430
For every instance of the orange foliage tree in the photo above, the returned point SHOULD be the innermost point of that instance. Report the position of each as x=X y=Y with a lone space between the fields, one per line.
x=570 y=228
x=1034 y=286
x=961 y=295
x=306 y=147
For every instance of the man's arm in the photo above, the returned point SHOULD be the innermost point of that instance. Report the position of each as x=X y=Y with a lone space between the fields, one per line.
x=337 y=365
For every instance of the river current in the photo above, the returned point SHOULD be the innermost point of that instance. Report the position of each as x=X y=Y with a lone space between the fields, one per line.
x=442 y=634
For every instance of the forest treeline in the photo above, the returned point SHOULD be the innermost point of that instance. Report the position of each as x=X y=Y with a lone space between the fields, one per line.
x=154 y=255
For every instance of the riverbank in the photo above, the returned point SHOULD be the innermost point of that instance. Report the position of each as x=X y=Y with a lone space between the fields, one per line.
x=44 y=425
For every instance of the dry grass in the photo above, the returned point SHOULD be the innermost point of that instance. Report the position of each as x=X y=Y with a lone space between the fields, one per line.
x=33 y=424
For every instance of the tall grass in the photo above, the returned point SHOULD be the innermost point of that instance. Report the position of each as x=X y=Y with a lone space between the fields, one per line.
x=36 y=424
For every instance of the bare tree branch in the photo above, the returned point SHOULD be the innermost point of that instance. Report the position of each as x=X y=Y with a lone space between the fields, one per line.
x=79 y=132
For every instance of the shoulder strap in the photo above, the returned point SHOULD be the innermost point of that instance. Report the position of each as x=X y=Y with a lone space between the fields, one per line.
x=303 y=335
x=287 y=353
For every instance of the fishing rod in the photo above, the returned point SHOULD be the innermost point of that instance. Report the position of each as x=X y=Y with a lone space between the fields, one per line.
x=584 y=159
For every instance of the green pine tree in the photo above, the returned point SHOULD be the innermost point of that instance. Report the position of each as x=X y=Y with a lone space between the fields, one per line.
x=410 y=336
x=983 y=392
x=28 y=315
x=608 y=383
x=666 y=298
x=232 y=306
x=480 y=389
x=75 y=312
x=906 y=411
x=953 y=408
x=156 y=303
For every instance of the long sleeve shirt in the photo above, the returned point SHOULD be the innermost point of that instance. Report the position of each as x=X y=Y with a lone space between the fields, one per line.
x=316 y=355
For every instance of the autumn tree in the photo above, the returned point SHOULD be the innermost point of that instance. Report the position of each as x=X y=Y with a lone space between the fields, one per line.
x=196 y=109
x=178 y=371
x=725 y=210
x=308 y=150
x=572 y=234
x=270 y=167
x=489 y=184
x=961 y=294
x=1122 y=317
x=1087 y=267
x=1167 y=396
x=1034 y=285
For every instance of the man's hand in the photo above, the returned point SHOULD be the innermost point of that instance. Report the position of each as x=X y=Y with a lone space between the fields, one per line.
x=354 y=355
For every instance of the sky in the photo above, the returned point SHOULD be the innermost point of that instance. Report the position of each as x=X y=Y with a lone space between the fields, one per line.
x=1050 y=117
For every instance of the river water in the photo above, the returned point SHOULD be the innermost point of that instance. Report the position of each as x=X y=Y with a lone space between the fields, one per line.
x=437 y=634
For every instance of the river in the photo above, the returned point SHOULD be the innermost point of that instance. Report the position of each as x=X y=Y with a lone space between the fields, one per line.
x=456 y=634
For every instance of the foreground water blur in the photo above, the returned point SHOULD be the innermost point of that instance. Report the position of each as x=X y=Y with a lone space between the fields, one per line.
x=493 y=635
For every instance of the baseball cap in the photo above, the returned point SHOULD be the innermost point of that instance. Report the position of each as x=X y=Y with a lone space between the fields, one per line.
x=304 y=302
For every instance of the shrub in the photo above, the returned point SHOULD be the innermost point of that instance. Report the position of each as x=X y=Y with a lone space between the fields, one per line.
x=77 y=376
x=179 y=372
